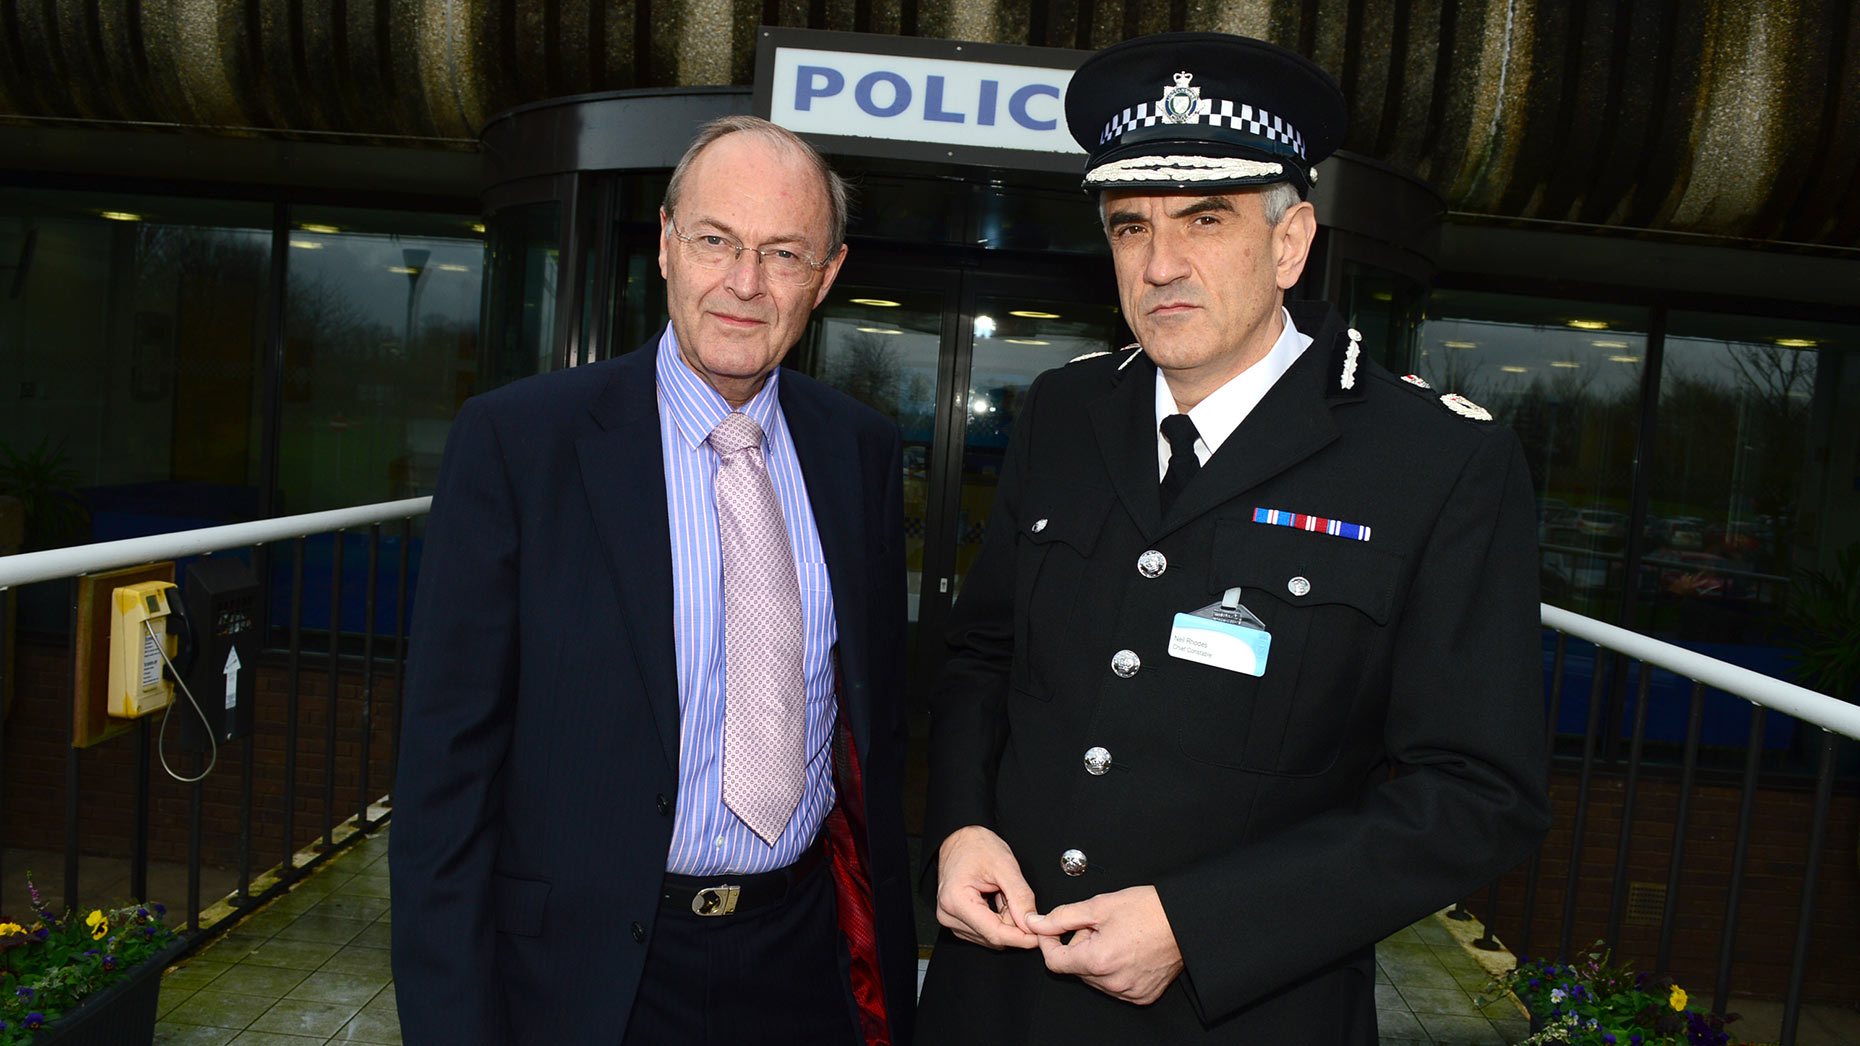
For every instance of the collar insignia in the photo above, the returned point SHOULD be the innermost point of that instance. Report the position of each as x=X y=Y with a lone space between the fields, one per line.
x=1416 y=379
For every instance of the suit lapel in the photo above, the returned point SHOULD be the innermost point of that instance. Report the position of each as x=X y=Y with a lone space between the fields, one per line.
x=836 y=492
x=623 y=471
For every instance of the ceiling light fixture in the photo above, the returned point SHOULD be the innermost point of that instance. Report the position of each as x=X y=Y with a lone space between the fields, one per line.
x=877 y=303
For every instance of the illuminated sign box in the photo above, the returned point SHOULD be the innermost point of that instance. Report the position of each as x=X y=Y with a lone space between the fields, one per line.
x=861 y=94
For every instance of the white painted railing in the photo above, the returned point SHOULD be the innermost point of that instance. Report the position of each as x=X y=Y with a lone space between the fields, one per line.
x=51 y=564
x=1804 y=704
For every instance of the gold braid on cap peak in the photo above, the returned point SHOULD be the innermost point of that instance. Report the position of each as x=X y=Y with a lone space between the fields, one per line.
x=1181 y=169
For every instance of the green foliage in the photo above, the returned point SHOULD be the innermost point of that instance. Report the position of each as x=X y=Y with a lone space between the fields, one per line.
x=1595 y=1002
x=48 y=964
x=42 y=480
x=1825 y=612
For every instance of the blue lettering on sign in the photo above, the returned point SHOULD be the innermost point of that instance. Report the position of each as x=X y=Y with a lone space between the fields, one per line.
x=985 y=109
x=830 y=82
x=1017 y=106
x=933 y=102
x=900 y=94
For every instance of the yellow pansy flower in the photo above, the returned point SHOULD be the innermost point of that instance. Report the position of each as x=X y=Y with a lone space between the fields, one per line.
x=99 y=925
x=9 y=929
x=1678 y=998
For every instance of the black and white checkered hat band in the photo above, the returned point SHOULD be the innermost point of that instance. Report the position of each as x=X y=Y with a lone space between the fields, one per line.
x=1215 y=111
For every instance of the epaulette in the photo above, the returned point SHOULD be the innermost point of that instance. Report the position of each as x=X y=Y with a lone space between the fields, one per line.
x=1133 y=349
x=1452 y=401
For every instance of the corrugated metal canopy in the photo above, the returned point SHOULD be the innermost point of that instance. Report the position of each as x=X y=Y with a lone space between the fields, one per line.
x=1735 y=118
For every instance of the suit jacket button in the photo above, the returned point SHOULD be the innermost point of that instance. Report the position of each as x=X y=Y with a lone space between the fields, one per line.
x=1152 y=564
x=1125 y=663
x=1097 y=761
x=639 y=933
x=1073 y=862
x=665 y=805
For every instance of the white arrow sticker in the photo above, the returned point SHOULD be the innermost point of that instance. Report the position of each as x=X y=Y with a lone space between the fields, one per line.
x=232 y=678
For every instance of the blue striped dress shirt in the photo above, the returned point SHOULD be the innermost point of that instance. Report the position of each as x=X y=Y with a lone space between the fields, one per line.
x=706 y=837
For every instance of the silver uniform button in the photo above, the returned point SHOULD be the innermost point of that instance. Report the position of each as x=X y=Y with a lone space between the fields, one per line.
x=1298 y=586
x=1073 y=862
x=1152 y=563
x=1097 y=761
x=1125 y=663
x=1038 y=525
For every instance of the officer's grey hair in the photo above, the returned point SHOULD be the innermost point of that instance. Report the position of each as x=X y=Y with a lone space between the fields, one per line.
x=1275 y=200
x=838 y=196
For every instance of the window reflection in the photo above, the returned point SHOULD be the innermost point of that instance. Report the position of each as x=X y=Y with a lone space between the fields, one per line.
x=381 y=348
x=1565 y=376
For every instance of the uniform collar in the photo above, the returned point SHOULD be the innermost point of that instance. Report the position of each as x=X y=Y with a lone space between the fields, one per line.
x=1222 y=411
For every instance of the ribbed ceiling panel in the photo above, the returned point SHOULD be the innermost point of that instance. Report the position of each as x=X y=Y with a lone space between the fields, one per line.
x=1735 y=118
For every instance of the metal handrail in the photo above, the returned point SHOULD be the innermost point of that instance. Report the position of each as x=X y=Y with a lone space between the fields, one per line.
x=1807 y=705
x=51 y=564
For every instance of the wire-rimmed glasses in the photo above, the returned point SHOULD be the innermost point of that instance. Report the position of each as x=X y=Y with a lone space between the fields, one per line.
x=715 y=251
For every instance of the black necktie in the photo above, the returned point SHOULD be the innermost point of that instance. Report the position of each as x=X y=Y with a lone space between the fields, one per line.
x=1183 y=464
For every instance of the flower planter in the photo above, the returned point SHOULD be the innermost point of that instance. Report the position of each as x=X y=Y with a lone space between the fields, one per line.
x=122 y=1014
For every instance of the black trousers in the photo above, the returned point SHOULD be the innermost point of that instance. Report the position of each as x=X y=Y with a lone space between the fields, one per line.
x=776 y=975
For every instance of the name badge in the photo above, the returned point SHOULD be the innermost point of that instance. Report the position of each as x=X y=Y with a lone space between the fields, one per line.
x=1224 y=634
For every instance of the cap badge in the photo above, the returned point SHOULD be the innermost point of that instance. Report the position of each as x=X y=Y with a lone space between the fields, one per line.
x=1180 y=103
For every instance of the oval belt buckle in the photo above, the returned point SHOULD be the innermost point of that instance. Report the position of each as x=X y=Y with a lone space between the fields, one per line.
x=715 y=900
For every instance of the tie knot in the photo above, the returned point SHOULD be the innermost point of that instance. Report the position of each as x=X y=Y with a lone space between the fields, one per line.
x=1181 y=433
x=737 y=431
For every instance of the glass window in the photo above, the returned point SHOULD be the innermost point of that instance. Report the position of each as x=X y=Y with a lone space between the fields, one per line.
x=131 y=330
x=1565 y=376
x=381 y=348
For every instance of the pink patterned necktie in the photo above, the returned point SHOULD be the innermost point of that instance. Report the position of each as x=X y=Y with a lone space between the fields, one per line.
x=765 y=698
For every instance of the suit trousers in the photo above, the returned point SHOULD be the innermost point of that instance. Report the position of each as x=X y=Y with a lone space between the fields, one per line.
x=776 y=975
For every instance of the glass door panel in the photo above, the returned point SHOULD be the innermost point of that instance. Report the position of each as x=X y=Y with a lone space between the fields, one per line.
x=883 y=344
x=1014 y=337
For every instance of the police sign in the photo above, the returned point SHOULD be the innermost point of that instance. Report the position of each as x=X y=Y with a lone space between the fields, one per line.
x=912 y=98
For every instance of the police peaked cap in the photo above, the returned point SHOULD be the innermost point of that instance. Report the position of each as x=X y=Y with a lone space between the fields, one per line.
x=1202 y=111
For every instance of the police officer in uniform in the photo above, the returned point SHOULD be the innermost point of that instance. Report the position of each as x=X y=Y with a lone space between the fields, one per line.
x=1246 y=676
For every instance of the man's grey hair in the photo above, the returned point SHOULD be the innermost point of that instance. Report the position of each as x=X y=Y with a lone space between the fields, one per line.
x=835 y=186
x=1275 y=199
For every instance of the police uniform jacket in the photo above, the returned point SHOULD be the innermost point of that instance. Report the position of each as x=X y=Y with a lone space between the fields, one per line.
x=1388 y=762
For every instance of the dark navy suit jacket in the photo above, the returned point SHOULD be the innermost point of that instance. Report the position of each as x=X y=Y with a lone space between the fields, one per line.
x=538 y=769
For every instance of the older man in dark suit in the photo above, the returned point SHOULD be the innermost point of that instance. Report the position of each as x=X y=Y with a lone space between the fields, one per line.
x=649 y=785
x=1246 y=675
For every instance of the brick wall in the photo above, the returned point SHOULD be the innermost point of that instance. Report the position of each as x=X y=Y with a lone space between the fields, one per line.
x=1769 y=905
x=32 y=806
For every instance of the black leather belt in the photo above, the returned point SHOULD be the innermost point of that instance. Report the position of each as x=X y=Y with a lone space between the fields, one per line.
x=734 y=894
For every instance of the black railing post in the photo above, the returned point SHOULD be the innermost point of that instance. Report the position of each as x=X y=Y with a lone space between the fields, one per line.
x=139 y=847
x=1740 y=852
x=288 y=864
x=401 y=618
x=1580 y=821
x=334 y=678
x=71 y=769
x=196 y=790
x=368 y=670
x=1617 y=900
x=1486 y=942
x=1676 y=853
x=1817 y=837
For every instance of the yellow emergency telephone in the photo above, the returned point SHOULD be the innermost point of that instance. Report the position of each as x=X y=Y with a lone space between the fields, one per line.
x=139 y=646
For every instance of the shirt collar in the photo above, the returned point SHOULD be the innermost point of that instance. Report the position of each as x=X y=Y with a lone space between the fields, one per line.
x=696 y=408
x=1221 y=411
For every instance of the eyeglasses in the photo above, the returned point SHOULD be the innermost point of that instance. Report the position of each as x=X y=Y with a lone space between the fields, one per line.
x=712 y=251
